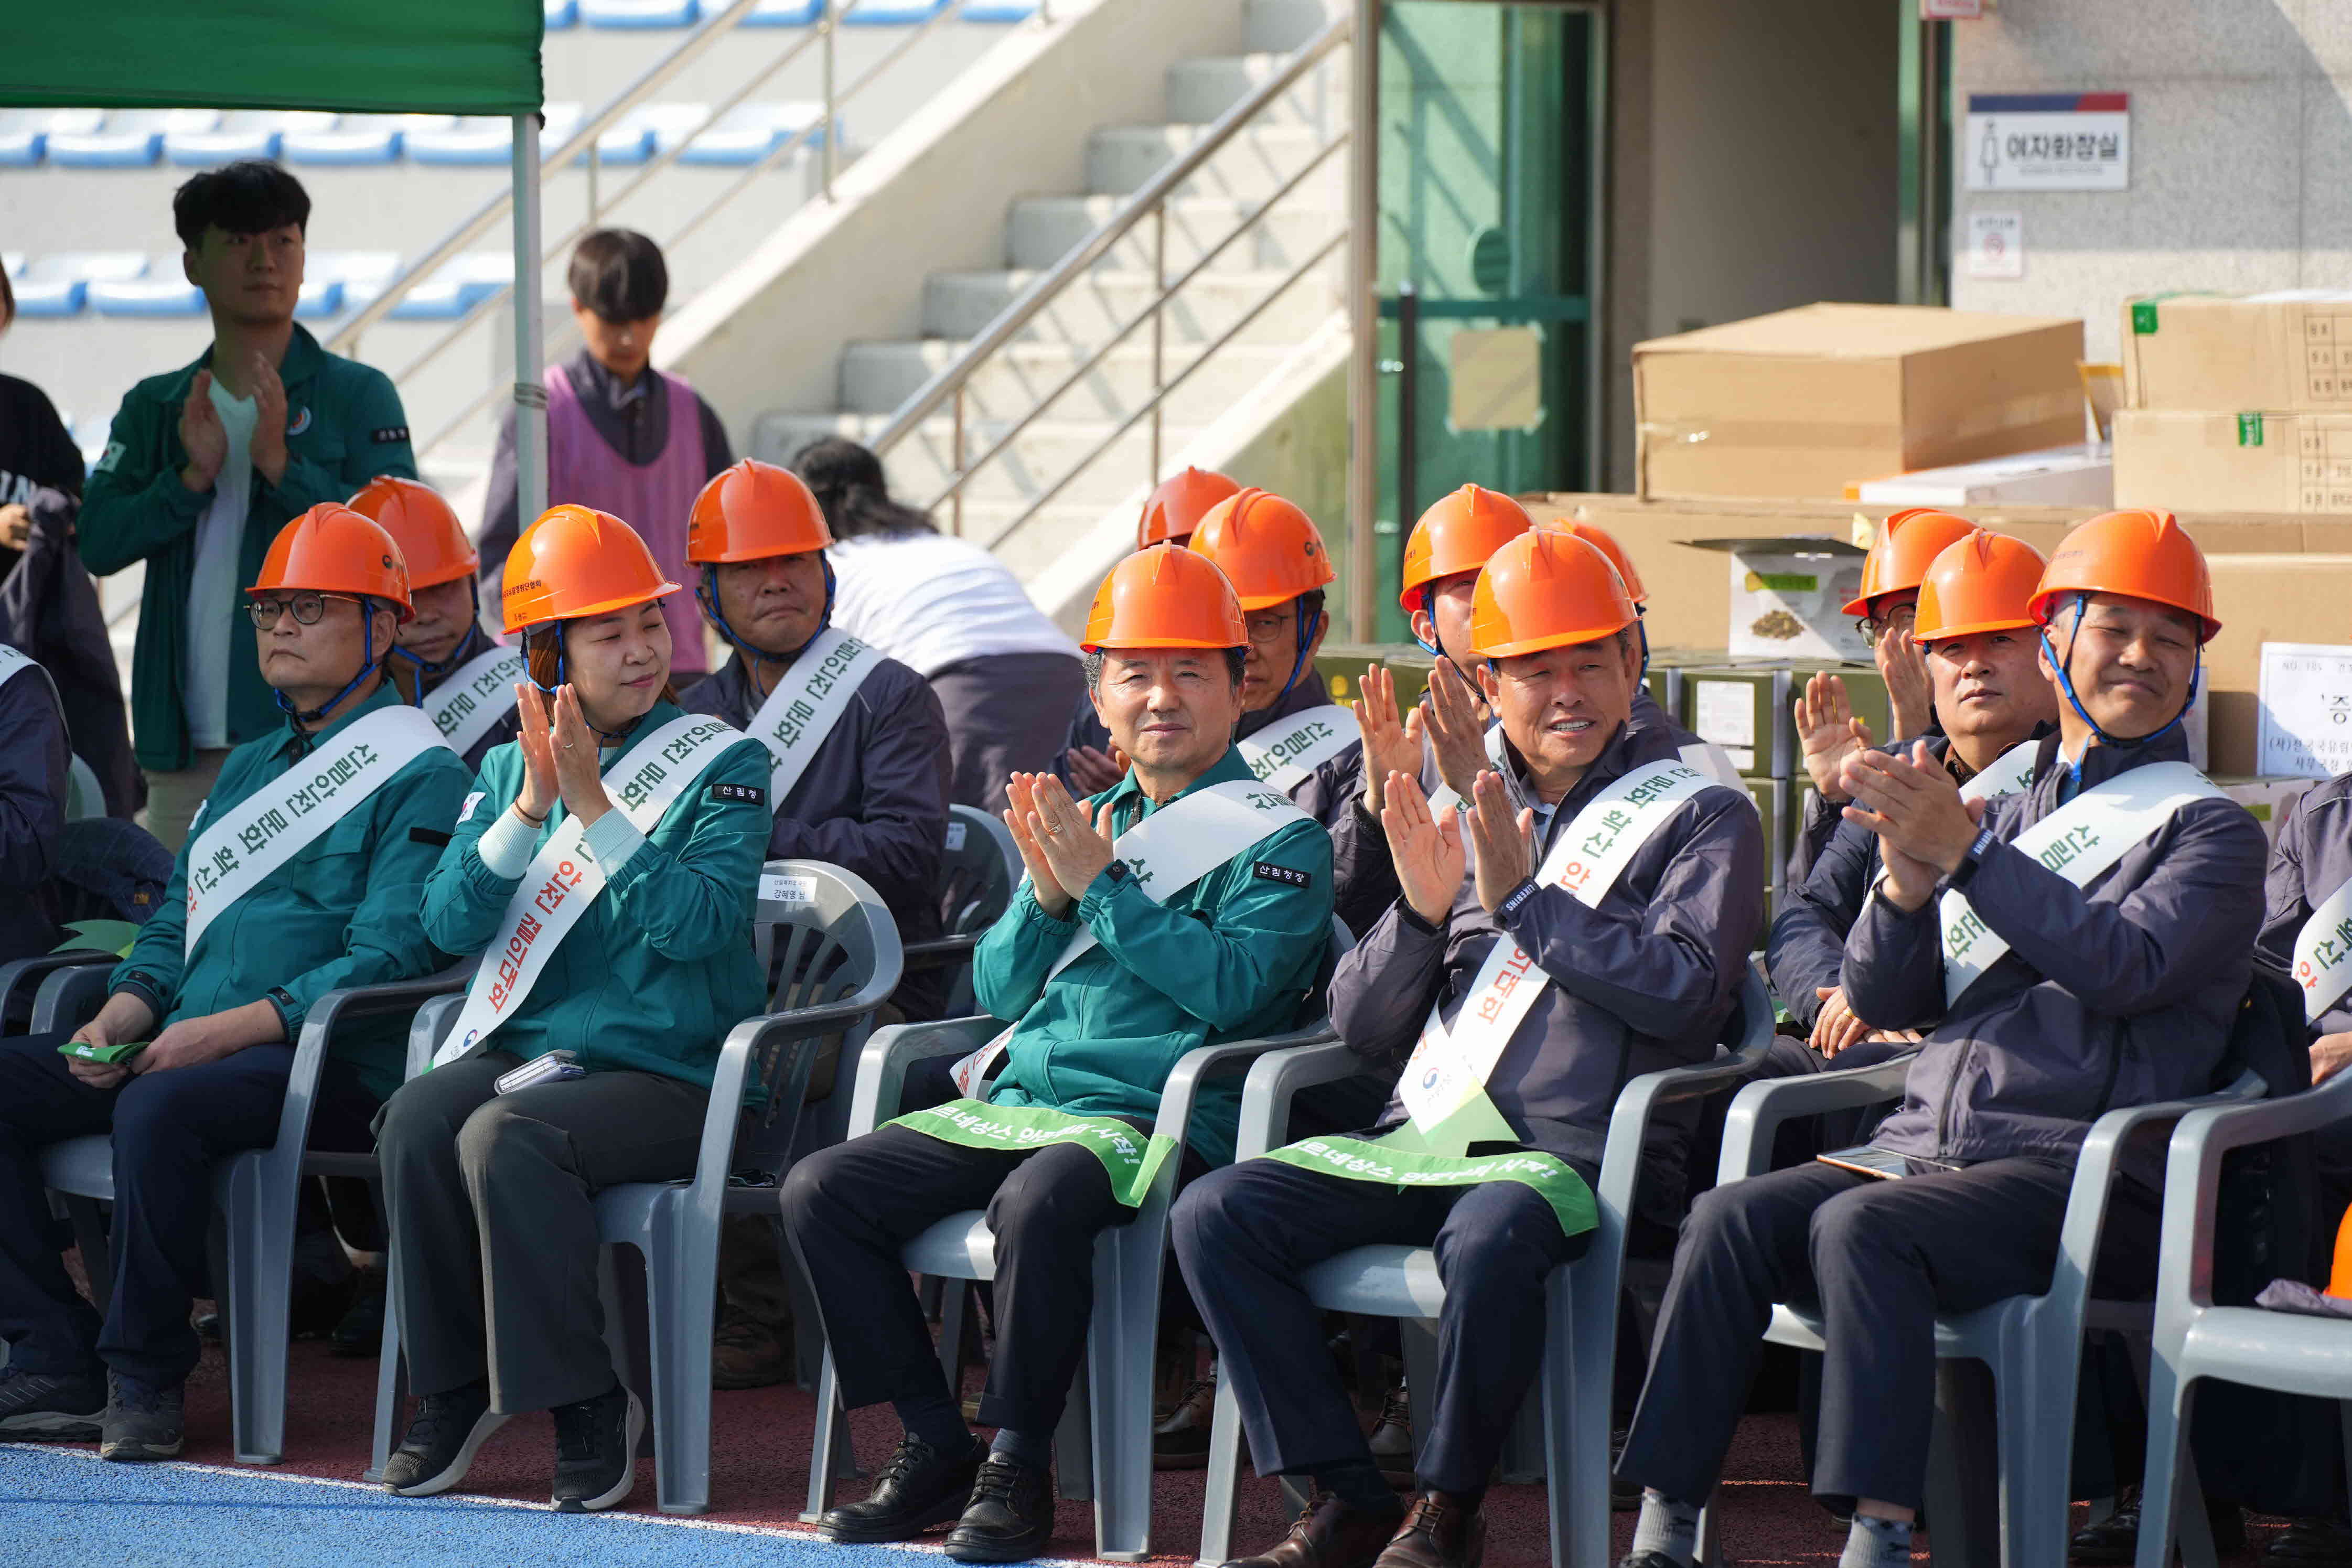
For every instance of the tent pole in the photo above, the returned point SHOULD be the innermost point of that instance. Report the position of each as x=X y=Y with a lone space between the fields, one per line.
x=530 y=392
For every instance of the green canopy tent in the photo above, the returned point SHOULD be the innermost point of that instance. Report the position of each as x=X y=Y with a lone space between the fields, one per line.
x=378 y=57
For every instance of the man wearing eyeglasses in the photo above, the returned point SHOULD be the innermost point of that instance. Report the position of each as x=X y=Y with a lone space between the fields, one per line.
x=304 y=874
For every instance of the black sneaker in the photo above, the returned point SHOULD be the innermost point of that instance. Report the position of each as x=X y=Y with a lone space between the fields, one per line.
x=443 y=1437
x=596 y=1450
x=919 y=1487
x=1009 y=1517
x=142 y=1422
x=36 y=1407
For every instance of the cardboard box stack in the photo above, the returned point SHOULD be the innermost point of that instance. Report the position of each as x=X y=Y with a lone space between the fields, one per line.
x=2237 y=404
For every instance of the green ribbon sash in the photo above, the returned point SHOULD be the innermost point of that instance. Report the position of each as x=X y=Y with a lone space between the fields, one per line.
x=1132 y=1160
x=1401 y=1160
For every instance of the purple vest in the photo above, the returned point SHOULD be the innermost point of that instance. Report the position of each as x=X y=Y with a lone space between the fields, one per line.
x=584 y=469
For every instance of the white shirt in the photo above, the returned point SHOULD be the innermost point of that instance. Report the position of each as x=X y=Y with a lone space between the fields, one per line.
x=213 y=591
x=930 y=601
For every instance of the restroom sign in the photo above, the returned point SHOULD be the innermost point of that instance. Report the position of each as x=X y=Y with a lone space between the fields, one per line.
x=2048 y=141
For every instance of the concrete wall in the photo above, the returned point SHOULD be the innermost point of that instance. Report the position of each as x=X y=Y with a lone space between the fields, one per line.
x=1753 y=168
x=2241 y=150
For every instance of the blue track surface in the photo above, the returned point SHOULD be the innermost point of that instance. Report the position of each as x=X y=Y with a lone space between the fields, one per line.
x=66 y=1508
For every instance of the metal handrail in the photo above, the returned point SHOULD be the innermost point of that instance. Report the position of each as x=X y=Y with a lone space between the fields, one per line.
x=1032 y=302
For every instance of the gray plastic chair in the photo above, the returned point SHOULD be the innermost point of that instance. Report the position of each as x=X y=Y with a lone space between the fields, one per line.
x=977 y=876
x=20 y=979
x=833 y=959
x=255 y=1190
x=84 y=796
x=1103 y=1451
x=1581 y=1299
x=2034 y=1344
x=2194 y=1339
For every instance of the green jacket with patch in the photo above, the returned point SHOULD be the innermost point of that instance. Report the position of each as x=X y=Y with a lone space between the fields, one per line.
x=344 y=428
x=1231 y=957
x=342 y=911
x=660 y=967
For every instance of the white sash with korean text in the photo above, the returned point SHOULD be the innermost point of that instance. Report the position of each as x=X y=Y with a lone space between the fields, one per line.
x=1445 y=800
x=11 y=662
x=562 y=881
x=1285 y=754
x=1449 y=1066
x=2323 y=953
x=2009 y=773
x=1165 y=853
x=477 y=694
x=260 y=833
x=808 y=701
x=2079 y=840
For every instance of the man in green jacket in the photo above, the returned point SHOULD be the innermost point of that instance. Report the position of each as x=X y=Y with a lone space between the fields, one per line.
x=1188 y=905
x=305 y=877
x=205 y=464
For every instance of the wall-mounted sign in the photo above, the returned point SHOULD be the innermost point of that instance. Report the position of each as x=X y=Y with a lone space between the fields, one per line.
x=1996 y=245
x=1951 y=10
x=2048 y=141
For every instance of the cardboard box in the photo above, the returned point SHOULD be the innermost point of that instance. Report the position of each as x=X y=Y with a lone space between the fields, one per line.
x=1804 y=402
x=2263 y=599
x=2272 y=462
x=2080 y=475
x=1787 y=598
x=2285 y=350
x=2270 y=799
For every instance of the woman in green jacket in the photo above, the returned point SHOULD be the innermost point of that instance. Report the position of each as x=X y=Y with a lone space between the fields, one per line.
x=605 y=868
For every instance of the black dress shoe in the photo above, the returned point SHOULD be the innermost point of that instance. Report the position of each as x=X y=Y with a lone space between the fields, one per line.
x=1011 y=1516
x=1329 y=1534
x=2307 y=1543
x=1391 y=1438
x=2116 y=1539
x=1439 y=1533
x=921 y=1486
x=1180 y=1439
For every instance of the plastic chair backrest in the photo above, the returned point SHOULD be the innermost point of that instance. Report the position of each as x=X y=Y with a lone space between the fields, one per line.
x=84 y=797
x=822 y=936
x=978 y=873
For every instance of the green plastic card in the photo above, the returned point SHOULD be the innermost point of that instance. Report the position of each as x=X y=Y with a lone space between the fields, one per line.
x=112 y=1056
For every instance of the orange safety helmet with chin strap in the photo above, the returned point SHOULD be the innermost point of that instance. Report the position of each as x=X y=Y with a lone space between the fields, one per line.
x=1270 y=551
x=330 y=549
x=2134 y=554
x=1907 y=544
x=1165 y=596
x=577 y=562
x=431 y=539
x=753 y=510
x=1546 y=589
x=1177 y=506
x=1457 y=534
x=1604 y=541
x=1984 y=583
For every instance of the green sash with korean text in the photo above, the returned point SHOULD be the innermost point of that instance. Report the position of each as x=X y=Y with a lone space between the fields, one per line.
x=1132 y=1159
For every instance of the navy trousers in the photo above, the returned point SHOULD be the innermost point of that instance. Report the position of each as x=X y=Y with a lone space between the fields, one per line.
x=1246 y=1234
x=1879 y=1259
x=169 y=1127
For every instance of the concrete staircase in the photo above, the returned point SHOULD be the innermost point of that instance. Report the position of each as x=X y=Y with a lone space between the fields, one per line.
x=877 y=377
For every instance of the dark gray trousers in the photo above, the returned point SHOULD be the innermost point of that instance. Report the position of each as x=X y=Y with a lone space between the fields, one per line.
x=1005 y=711
x=493 y=1216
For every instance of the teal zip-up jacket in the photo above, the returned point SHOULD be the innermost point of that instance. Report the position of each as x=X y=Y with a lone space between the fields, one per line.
x=1229 y=958
x=344 y=428
x=660 y=967
x=342 y=911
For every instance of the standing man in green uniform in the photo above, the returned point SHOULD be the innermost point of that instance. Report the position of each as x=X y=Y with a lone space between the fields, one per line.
x=206 y=463
x=305 y=876
x=1187 y=905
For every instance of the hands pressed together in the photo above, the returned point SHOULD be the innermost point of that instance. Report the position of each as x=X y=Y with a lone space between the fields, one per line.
x=205 y=439
x=1062 y=848
x=1428 y=851
x=1923 y=826
x=560 y=758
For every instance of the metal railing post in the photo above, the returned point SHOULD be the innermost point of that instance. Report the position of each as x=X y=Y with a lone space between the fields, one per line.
x=955 y=461
x=1363 y=321
x=529 y=393
x=1159 y=329
x=594 y=159
x=826 y=154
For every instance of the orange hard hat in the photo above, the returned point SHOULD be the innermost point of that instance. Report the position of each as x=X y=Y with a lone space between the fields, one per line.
x=1165 y=596
x=1268 y=549
x=1604 y=541
x=330 y=549
x=1908 y=542
x=751 y=511
x=1982 y=584
x=2339 y=1277
x=575 y=561
x=1548 y=588
x=1177 y=506
x=2138 y=555
x=1457 y=534
x=431 y=539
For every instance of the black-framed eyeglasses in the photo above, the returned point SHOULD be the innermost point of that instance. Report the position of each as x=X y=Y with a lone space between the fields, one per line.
x=1872 y=628
x=306 y=609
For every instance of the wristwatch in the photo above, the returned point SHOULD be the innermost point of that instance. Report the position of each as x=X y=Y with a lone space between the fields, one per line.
x=1974 y=857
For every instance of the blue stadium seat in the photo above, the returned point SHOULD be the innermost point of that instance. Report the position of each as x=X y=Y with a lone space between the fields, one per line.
x=784 y=14
x=159 y=290
x=58 y=284
x=649 y=129
x=456 y=287
x=560 y=14
x=58 y=297
x=475 y=138
x=359 y=275
x=891 y=13
x=997 y=11
x=321 y=298
x=640 y=13
x=131 y=138
x=348 y=140
x=749 y=131
x=24 y=132
x=244 y=133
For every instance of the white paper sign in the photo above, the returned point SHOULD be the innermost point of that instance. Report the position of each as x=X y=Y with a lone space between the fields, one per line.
x=776 y=889
x=2305 y=729
x=1724 y=713
x=1996 y=245
x=1793 y=607
x=2048 y=141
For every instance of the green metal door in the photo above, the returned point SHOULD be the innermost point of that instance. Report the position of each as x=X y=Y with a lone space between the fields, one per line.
x=1489 y=139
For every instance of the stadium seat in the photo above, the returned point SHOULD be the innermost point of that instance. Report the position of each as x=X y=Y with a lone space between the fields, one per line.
x=58 y=284
x=348 y=139
x=12 y=263
x=362 y=275
x=560 y=14
x=891 y=13
x=131 y=138
x=998 y=11
x=319 y=299
x=640 y=13
x=749 y=131
x=474 y=139
x=456 y=287
x=24 y=132
x=244 y=133
x=830 y=950
x=162 y=291
x=784 y=14
x=650 y=128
